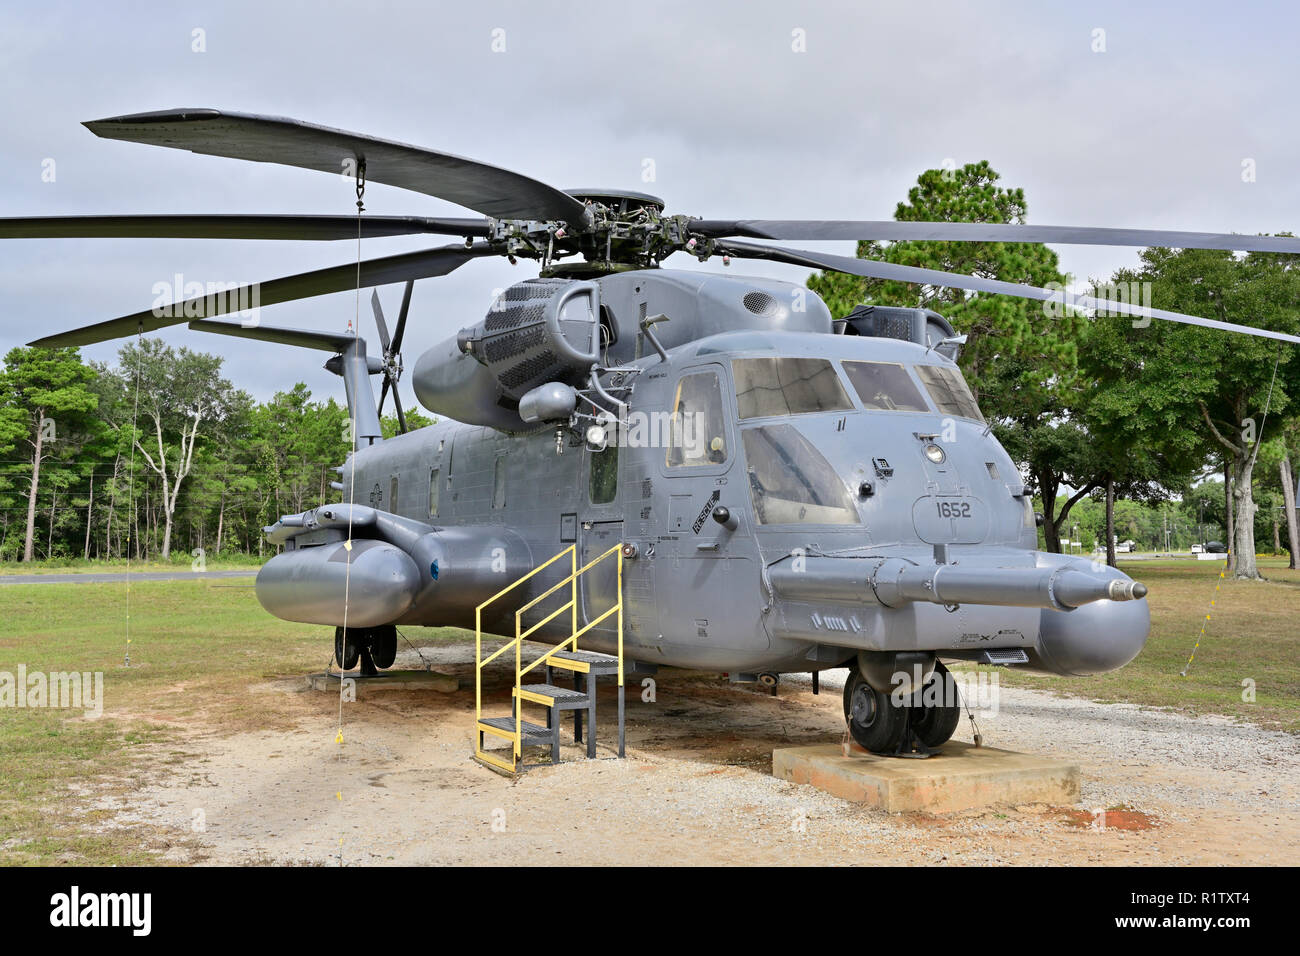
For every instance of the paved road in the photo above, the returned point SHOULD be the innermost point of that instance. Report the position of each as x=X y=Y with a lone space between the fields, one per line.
x=121 y=578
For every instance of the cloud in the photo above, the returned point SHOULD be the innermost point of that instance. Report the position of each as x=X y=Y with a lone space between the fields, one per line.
x=1151 y=132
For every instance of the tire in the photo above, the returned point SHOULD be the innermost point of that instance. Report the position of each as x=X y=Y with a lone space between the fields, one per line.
x=383 y=645
x=346 y=651
x=935 y=724
x=874 y=720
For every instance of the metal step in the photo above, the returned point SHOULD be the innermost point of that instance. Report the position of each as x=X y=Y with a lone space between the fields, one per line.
x=531 y=731
x=561 y=698
x=587 y=662
x=1004 y=655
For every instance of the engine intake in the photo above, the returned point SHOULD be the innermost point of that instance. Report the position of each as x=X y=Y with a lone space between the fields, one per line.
x=540 y=330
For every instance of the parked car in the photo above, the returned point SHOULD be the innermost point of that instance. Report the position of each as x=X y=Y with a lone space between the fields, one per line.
x=1215 y=547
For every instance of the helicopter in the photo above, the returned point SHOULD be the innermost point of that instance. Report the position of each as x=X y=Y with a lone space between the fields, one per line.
x=789 y=493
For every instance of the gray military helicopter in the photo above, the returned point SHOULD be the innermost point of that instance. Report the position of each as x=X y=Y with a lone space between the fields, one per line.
x=790 y=493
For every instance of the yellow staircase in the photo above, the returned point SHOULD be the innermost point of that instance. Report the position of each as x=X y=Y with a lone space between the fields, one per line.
x=586 y=667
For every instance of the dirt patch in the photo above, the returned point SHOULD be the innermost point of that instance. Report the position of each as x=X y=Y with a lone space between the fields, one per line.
x=1112 y=818
x=696 y=787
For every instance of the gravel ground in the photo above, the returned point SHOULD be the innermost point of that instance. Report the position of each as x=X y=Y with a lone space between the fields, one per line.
x=697 y=787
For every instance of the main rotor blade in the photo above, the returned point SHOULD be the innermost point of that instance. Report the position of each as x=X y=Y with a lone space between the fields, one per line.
x=486 y=189
x=875 y=269
x=399 y=268
x=808 y=229
x=322 y=228
x=401 y=316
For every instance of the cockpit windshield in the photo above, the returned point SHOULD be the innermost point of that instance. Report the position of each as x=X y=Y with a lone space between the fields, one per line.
x=790 y=482
x=767 y=387
x=884 y=386
x=948 y=391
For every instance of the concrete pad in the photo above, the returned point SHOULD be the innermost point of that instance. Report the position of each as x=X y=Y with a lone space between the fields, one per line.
x=959 y=777
x=387 y=681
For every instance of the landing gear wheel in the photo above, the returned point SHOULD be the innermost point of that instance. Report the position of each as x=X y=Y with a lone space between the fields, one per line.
x=935 y=719
x=383 y=645
x=346 y=650
x=875 y=721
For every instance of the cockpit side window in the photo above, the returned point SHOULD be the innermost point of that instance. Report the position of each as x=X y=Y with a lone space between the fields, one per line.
x=697 y=428
x=948 y=391
x=884 y=386
x=499 y=483
x=790 y=482
x=603 y=480
x=767 y=387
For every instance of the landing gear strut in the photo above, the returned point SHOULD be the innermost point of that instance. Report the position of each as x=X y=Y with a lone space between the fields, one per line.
x=373 y=647
x=877 y=722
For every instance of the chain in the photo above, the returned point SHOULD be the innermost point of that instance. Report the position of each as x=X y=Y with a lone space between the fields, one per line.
x=354 y=327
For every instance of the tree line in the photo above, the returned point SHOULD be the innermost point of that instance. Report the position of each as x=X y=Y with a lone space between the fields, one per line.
x=156 y=454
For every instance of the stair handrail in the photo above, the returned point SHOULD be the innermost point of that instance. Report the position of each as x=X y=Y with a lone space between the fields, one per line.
x=480 y=662
x=578 y=632
x=521 y=634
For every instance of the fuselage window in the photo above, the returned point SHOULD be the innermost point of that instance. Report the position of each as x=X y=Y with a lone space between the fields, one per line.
x=433 y=492
x=604 y=475
x=949 y=391
x=392 y=495
x=790 y=482
x=499 y=484
x=697 y=426
x=767 y=387
x=884 y=386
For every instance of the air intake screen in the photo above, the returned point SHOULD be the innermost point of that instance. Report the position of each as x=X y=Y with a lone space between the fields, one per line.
x=760 y=303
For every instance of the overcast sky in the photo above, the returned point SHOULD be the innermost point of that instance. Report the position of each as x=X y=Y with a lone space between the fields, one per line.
x=1152 y=130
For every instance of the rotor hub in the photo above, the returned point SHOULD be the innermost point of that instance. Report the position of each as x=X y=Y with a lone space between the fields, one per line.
x=618 y=200
x=625 y=230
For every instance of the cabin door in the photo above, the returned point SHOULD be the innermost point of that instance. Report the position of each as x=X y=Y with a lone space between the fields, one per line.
x=598 y=587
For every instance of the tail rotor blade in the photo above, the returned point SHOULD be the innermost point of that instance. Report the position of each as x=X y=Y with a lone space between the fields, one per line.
x=401 y=317
x=397 y=407
x=379 y=320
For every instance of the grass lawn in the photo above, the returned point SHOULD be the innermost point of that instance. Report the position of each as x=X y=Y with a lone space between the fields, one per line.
x=198 y=647
x=1253 y=634
x=208 y=641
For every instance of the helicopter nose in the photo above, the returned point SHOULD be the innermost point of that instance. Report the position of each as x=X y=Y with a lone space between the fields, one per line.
x=1098 y=637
